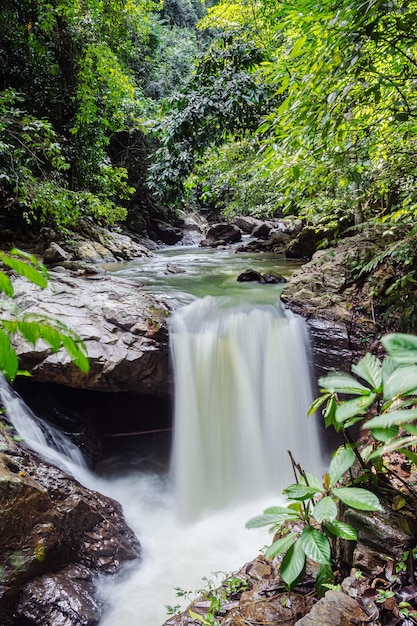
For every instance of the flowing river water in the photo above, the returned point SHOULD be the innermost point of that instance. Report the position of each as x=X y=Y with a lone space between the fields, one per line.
x=241 y=392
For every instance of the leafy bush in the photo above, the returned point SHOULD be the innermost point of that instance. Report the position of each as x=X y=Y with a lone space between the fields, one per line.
x=380 y=397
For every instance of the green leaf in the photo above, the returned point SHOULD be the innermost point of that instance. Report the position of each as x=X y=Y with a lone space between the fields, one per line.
x=293 y=564
x=76 y=353
x=312 y=481
x=330 y=412
x=297 y=48
x=315 y=545
x=280 y=546
x=357 y=498
x=299 y=492
x=342 y=460
x=370 y=369
x=271 y=519
x=343 y=383
x=25 y=270
x=392 y=418
x=324 y=576
x=6 y=285
x=317 y=403
x=392 y=447
x=325 y=509
x=402 y=347
x=385 y=434
x=51 y=336
x=403 y=381
x=30 y=331
x=353 y=408
x=9 y=363
x=340 y=529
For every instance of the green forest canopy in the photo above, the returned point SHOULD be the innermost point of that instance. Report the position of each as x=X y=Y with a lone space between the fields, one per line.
x=270 y=108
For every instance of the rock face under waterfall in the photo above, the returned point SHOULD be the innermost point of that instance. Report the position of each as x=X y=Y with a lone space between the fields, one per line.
x=124 y=331
x=56 y=536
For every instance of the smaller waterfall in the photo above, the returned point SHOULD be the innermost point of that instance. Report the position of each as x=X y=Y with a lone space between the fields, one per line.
x=45 y=439
x=242 y=392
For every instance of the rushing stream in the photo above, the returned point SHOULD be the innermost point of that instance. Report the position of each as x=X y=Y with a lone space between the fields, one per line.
x=242 y=389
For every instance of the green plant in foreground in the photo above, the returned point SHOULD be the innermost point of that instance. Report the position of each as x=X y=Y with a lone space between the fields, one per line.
x=13 y=321
x=380 y=397
x=314 y=507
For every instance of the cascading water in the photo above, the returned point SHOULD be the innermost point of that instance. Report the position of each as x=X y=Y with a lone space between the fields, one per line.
x=242 y=389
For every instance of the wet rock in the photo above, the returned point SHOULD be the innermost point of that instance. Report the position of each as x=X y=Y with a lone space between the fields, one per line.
x=64 y=599
x=222 y=233
x=254 y=276
x=55 y=537
x=165 y=232
x=194 y=227
x=124 y=331
x=55 y=254
x=262 y=231
x=273 y=279
x=246 y=224
x=335 y=609
x=249 y=276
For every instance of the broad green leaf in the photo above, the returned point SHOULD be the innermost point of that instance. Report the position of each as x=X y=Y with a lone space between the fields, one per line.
x=293 y=564
x=30 y=331
x=403 y=381
x=353 y=408
x=6 y=285
x=342 y=460
x=299 y=492
x=410 y=428
x=30 y=258
x=324 y=576
x=25 y=270
x=271 y=519
x=358 y=498
x=402 y=347
x=279 y=510
x=370 y=369
x=343 y=383
x=51 y=336
x=392 y=418
x=9 y=363
x=404 y=442
x=315 y=545
x=325 y=509
x=317 y=403
x=312 y=481
x=389 y=365
x=76 y=353
x=280 y=546
x=330 y=412
x=340 y=529
x=385 y=434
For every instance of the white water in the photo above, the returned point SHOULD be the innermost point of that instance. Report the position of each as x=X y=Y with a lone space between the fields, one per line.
x=242 y=393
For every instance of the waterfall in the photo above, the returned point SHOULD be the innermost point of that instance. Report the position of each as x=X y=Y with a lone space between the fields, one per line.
x=242 y=392
x=44 y=438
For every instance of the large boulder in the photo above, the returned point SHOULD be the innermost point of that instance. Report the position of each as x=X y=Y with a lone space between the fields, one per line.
x=124 y=331
x=222 y=233
x=56 y=536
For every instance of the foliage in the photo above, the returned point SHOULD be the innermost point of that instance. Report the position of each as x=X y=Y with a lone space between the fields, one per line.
x=32 y=173
x=225 y=96
x=313 y=505
x=32 y=328
x=380 y=397
x=69 y=65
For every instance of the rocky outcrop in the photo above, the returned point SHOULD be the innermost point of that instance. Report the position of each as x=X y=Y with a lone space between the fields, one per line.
x=124 y=331
x=56 y=536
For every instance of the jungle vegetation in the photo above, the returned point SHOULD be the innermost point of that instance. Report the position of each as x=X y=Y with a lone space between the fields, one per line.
x=268 y=108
